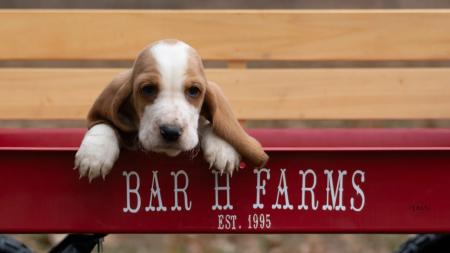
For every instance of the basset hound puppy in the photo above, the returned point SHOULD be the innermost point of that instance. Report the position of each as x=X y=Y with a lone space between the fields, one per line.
x=165 y=104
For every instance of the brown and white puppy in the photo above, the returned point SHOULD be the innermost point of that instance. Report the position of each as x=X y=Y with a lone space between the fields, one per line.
x=165 y=104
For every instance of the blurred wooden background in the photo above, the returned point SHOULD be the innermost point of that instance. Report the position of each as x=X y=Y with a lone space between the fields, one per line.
x=228 y=4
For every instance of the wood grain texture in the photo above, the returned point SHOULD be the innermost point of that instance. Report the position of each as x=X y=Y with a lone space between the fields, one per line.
x=228 y=34
x=418 y=93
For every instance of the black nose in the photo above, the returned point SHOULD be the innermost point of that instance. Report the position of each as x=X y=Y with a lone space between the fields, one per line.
x=170 y=133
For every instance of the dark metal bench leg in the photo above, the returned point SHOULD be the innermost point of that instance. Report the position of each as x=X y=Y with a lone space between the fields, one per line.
x=79 y=243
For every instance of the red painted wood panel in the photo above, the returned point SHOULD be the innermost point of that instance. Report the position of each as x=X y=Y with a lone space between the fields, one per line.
x=390 y=181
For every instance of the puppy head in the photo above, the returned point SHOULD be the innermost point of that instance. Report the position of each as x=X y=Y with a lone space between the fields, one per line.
x=159 y=101
x=169 y=86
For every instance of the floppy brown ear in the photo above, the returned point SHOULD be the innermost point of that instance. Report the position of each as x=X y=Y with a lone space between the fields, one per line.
x=225 y=125
x=114 y=106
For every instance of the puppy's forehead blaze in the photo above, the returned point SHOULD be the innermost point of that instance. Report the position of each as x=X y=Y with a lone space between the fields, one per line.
x=178 y=65
x=173 y=67
x=171 y=61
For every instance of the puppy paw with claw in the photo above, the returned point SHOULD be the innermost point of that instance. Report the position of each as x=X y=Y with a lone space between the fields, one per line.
x=98 y=152
x=219 y=154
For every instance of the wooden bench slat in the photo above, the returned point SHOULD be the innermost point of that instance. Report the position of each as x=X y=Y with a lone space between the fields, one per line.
x=418 y=93
x=228 y=35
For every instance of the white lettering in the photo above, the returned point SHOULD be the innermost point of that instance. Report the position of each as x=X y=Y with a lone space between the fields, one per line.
x=155 y=192
x=218 y=188
x=334 y=191
x=358 y=190
x=283 y=190
x=260 y=186
x=176 y=190
x=134 y=191
x=314 y=203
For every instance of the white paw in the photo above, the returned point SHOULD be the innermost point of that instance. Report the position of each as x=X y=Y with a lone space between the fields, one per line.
x=98 y=152
x=218 y=153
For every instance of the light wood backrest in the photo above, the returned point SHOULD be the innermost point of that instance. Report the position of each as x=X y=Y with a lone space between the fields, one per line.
x=237 y=36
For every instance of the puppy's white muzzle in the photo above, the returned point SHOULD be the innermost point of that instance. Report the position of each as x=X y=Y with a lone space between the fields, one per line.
x=169 y=127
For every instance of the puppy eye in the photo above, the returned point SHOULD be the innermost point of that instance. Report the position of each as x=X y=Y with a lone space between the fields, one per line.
x=149 y=90
x=193 y=91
